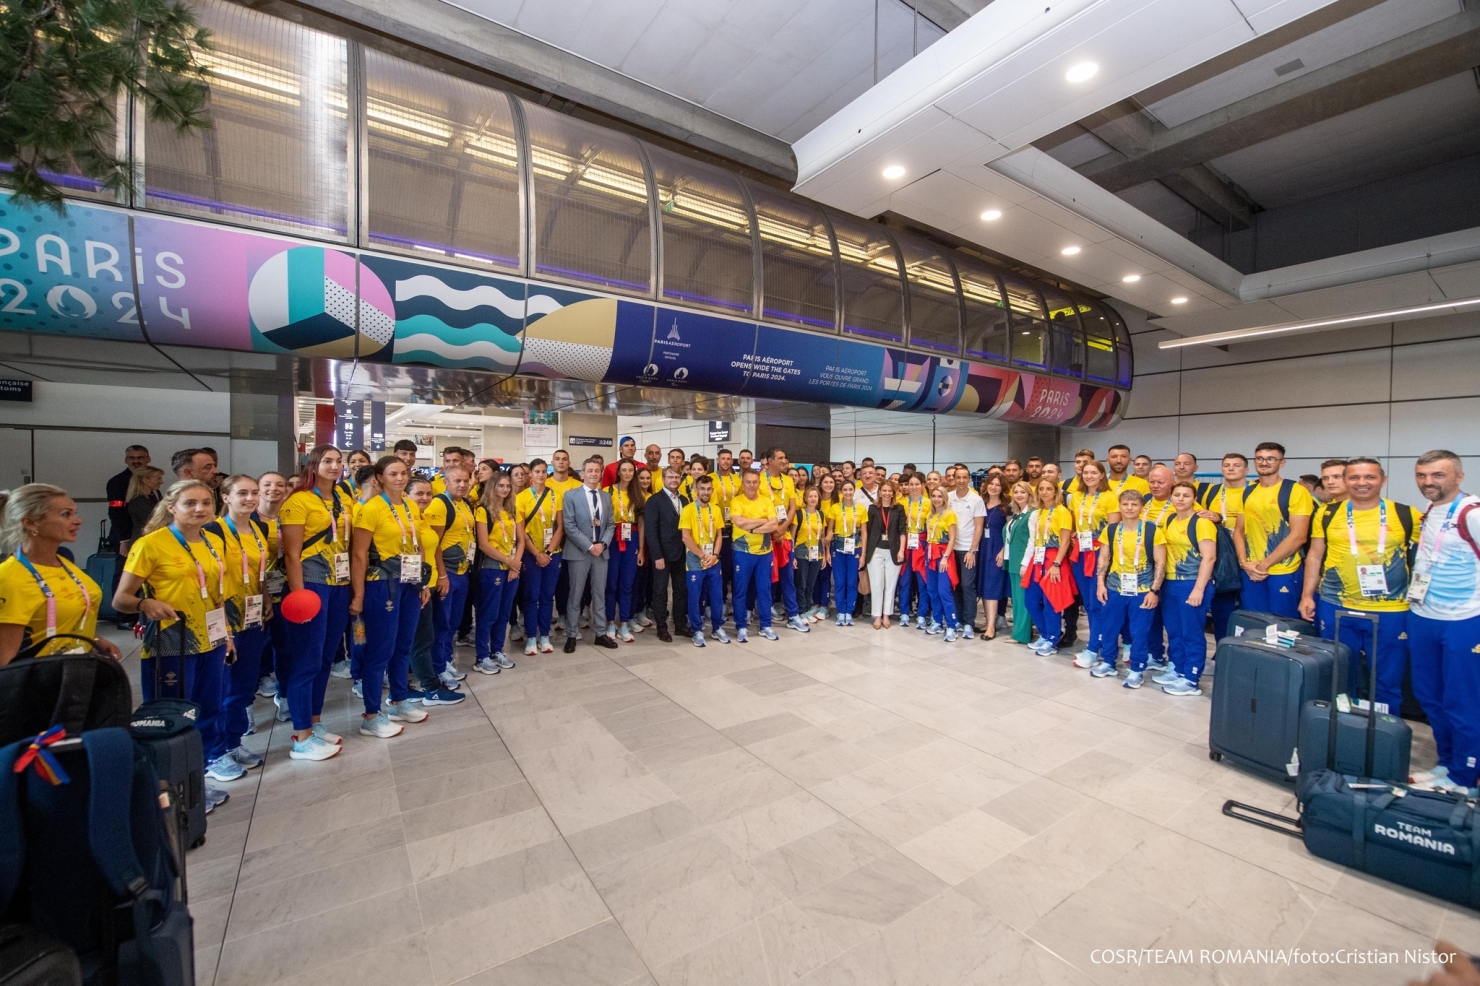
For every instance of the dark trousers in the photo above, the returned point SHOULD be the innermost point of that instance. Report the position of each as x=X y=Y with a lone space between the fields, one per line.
x=671 y=574
x=964 y=593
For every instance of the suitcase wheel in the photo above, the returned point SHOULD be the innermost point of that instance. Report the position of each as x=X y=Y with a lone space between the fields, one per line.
x=1215 y=756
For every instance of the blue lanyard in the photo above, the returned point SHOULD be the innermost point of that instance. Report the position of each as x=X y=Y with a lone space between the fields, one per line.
x=200 y=571
x=51 y=599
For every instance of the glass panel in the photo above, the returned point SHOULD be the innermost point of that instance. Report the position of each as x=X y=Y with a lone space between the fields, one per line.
x=708 y=255
x=590 y=221
x=986 y=313
x=277 y=153
x=1029 y=328
x=873 y=297
x=1068 y=337
x=935 y=311
x=800 y=273
x=444 y=164
x=1099 y=341
x=1124 y=351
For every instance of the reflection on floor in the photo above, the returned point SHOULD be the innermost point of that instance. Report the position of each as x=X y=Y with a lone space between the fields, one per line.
x=852 y=806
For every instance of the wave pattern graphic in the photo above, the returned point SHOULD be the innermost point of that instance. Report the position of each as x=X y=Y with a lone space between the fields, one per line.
x=484 y=295
x=479 y=354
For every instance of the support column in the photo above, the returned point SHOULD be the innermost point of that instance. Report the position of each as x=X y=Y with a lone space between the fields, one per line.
x=264 y=415
x=1024 y=440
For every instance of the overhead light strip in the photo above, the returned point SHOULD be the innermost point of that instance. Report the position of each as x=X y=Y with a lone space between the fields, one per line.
x=1242 y=335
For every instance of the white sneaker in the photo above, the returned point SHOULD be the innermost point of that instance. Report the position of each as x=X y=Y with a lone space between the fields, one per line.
x=1086 y=659
x=405 y=712
x=531 y=647
x=380 y=726
x=516 y=632
x=452 y=670
x=625 y=634
x=449 y=680
x=322 y=732
x=485 y=665
x=545 y=646
x=312 y=748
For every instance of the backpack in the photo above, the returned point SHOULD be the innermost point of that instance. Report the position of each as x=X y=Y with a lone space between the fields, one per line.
x=92 y=860
x=75 y=691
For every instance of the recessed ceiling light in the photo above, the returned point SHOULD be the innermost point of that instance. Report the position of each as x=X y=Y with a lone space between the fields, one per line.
x=1082 y=72
x=894 y=171
x=1069 y=251
x=1179 y=300
x=1131 y=278
x=991 y=215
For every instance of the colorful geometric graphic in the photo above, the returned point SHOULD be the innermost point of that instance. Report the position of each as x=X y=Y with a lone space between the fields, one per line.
x=303 y=300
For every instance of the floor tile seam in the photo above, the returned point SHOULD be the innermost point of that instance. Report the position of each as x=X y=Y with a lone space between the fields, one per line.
x=565 y=840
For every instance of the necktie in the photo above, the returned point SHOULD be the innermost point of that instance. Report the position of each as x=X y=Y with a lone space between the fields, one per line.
x=596 y=515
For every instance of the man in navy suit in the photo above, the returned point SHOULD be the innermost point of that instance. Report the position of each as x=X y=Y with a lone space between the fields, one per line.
x=588 y=536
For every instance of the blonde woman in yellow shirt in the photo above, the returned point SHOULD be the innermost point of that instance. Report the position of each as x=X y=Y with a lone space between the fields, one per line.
x=501 y=556
x=847 y=527
x=807 y=537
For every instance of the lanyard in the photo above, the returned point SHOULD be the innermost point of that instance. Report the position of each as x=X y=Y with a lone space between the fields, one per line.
x=277 y=531
x=1160 y=513
x=619 y=504
x=1120 y=547
x=200 y=572
x=51 y=599
x=335 y=509
x=400 y=526
x=261 y=553
x=1351 y=530
x=813 y=520
x=466 y=515
x=774 y=491
x=918 y=515
x=938 y=526
x=1041 y=531
x=849 y=519
x=728 y=486
x=544 y=517
x=1084 y=519
x=1443 y=528
x=701 y=514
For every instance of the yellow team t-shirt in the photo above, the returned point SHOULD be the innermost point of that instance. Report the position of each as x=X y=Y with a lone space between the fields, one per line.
x=306 y=509
x=726 y=488
x=704 y=525
x=940 y=526
x=1132 y=549
x=457 y=541
x=394 y=531
x=502 y=535
x=1340 y=582
x=779 y=490
x=1265 y=528
x=1227 y=501
x=847 y=520
x=248 y=558
x=807 y=531
x=1044 y=526
x=1184 y=554
x=758 y=509
x=1130 y=482
x=1092 y=511
x=541 y=524
x=23 y=602
x=170 y=574
x=1157 y=511
x=564 y=486
x=916 y=514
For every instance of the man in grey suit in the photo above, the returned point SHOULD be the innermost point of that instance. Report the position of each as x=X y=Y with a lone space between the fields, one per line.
x=588 y=536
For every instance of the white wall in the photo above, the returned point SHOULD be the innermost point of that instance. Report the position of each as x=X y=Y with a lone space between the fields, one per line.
x=1391 y=391
x=691 y=436
x=74 y=435
x=893 y=438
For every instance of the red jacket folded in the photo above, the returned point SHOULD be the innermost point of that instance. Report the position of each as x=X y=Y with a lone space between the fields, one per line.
x=1060 y=594
x=937 y=551
x=780 y=555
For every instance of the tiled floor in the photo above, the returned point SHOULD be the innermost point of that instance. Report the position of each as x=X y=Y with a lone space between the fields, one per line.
x=848 y=807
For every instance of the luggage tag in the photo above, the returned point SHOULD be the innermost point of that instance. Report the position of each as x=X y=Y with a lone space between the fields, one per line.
x=1418 y=588
x=216 y=625
x=625 y=530
x=1129 y=584
x=1372 y=580
x=849 y=545
x=912 y=541
x=411 y=568
x=341 y=565
x=1086 y=541
x=254 y=611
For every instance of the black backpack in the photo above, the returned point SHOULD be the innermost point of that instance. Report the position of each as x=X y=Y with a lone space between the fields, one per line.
x=75 y=691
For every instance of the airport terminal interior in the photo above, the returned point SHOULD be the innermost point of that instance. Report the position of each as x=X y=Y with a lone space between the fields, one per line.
x=743 y=492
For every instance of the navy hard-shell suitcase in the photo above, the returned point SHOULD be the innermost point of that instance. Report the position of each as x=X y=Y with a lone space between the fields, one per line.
x=1258 y=695
x=166 y=729
x=1252 y=622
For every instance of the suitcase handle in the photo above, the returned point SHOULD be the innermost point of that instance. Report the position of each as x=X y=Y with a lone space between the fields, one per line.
x=1370 y=752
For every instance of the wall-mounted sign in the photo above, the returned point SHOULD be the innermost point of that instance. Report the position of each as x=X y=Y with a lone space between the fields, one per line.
x=719 y=431
x=541 y=429
x=15 y=390
x=588 y=441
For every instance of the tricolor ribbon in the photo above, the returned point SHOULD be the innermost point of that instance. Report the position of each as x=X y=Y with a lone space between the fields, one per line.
x=38 y=754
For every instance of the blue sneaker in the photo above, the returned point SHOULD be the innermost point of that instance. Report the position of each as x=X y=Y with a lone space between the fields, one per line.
x=966 y=633
x=1132 y=680
x=358 y=689
x=1157 y=667
x=1102 y=670
x=932 y=629
x=404 y=712
x=502 y=660
x=919 y=622
x=245 y=757
x=322 y=732
x=768 y=633
x=1045 y=647
x=698 y=640
x=950 y=634
x=742 y=635
x=797 y=624
x=1167 y=677
x=721 y=636
x=415 y=694
x=486 y=665
x=280 y=706
x=268 y=686
x=1181 y=687
x=225 y=768
x=441 y=696
x=380 y=726
x=312 y=748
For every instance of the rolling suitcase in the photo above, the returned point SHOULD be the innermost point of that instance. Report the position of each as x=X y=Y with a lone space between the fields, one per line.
x=165 y=728
x=1258 y=695
x=1248 y=621
x=1360 y=741
x=102 y=568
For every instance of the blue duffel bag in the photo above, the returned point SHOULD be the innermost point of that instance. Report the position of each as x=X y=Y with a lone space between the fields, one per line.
x=1420 y=839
